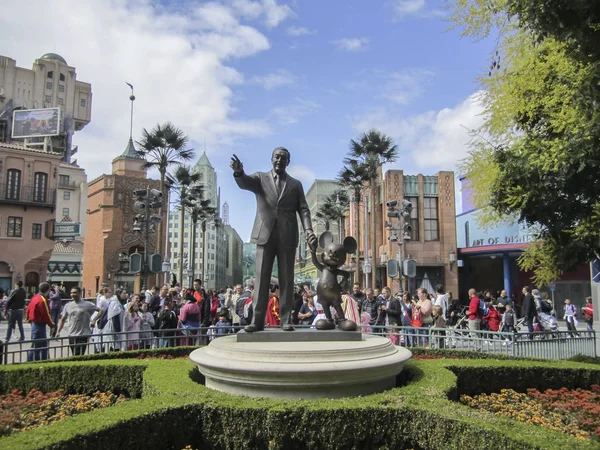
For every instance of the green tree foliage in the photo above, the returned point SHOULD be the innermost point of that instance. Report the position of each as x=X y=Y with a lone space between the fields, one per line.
x=333 y=209
x=537 y=156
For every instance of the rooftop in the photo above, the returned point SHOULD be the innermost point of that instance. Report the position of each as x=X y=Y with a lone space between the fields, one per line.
x=54 y=56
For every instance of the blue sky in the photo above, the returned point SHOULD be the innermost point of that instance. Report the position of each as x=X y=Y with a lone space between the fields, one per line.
x=247 y=76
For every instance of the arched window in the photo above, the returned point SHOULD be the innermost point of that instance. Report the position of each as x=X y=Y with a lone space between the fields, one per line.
x=13 y=184
x=40 y=187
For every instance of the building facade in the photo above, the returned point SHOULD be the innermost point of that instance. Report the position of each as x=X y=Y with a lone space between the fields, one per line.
x=28 y=184
x=234 y=253
x=50 y=83
x=110 y=237
x=488 y=259
x=433 y=236
x=66 y=263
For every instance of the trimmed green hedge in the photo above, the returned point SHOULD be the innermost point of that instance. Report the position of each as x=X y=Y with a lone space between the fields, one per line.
x=175 y=411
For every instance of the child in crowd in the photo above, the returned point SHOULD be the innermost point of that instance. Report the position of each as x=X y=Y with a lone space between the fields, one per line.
x=571 y=317
x=223 y=325
x=509 y=319
x=438 y=322
x=365 y=322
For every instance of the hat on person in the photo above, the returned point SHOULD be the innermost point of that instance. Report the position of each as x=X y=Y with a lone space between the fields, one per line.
x=535 y=292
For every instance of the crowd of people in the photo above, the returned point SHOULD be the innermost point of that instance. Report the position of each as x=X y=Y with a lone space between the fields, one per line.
x=171 y=316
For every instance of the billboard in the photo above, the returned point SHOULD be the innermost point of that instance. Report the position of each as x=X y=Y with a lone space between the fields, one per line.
x=67 y=229
x=36 y=122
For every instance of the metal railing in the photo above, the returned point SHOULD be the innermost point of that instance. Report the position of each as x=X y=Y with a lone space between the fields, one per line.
x=28 y=195
x=543 y=345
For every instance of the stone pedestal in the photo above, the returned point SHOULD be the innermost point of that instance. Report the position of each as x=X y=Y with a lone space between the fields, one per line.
x=316 y=364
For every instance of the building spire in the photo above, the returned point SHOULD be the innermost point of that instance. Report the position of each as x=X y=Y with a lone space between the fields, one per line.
x=132 y=98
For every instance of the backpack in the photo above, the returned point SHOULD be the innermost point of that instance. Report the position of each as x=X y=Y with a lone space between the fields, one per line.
x=239 y=306
x=246 y=317
x=545 y=307
x=483 y=308
x=103 y=320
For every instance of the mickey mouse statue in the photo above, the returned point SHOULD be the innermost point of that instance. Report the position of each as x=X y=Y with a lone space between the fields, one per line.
x=329 y=290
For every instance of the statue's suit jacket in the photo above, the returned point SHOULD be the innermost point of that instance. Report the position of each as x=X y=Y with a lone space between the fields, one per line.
x=274 y=209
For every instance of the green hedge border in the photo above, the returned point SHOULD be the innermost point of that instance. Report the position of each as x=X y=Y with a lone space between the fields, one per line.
x=419 y=415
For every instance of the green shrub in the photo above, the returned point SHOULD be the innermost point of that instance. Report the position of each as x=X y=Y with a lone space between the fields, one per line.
x=585 y=359
x=174 y=410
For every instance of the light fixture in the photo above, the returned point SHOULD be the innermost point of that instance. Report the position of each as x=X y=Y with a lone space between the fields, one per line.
x=383 y=259
x=452 y=258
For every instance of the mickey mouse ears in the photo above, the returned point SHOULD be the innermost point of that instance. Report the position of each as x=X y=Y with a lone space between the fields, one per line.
x=325 y=239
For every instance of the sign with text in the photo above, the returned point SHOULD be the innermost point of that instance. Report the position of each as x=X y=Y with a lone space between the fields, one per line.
x=67 y=229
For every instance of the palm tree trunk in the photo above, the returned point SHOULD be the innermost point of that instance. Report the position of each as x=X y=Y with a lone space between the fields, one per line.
x=357 y=203
x=203 y=251
x=194 y=249
x=181 y=228
x=373 y=230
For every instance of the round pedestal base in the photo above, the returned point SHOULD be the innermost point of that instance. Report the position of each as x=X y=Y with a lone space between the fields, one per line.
x=301 y=370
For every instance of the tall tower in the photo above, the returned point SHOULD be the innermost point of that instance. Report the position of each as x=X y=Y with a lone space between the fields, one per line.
x=225 y=213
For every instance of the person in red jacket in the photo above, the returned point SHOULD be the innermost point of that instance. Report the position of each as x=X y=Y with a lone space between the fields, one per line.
x=38 y=314
x=474 y=319
x=493 y=320
x=272 y=318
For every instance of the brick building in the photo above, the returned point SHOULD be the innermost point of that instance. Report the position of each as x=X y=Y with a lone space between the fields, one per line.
x=433 y=242
x=28 y=181
x=109 y=235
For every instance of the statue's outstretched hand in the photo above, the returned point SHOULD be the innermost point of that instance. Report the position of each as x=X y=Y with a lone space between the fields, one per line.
x=236 y=164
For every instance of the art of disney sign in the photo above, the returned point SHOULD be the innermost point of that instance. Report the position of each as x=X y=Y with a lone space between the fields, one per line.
x=514 y=239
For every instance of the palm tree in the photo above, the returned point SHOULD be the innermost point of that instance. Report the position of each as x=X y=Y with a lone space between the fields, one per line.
x=352 y=177
x=333 y=209
x=367 y=155
x=186 y=183
x=162 y=147
x=201 y=212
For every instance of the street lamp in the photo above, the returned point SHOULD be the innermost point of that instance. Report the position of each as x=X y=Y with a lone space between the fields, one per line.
x=166 y=268
x=190 y=274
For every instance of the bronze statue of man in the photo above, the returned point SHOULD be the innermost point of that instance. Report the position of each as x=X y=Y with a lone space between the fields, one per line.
x=279 y=197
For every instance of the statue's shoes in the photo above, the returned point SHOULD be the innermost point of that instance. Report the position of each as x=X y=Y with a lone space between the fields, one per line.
x=288 y=327
x=252 y=328
x=323 y=324
x=347 y=325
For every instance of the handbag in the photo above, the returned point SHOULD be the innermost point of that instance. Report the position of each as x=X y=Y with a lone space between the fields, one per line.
x=417 y=320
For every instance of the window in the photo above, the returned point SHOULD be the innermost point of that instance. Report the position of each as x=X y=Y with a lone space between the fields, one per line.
x=186 y=234
x=15 y=226
x=36 y=231
x=431 y=218
x=61 y=88
x=48 y=99
x=62 y=77
x=170 y=235
x=60 y=101
x=414 y=218
x=13 y=184
x=83 y=102
x=48 y=84
x=3 y=132
x=175 y=254
x=65 y=212
x=50 y=75
x=63 y=180
x=176 y=234
x=66 y=195
x=40 y=187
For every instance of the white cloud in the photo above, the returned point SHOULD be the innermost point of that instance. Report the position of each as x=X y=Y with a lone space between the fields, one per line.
x=418 y=8
x=404 y=86
x=269 y=11
x=351 y=44
x=177 y=59
x=274 y=80
x=300 y=31
x=291 y=113
x=302 y=173
x=435 y=140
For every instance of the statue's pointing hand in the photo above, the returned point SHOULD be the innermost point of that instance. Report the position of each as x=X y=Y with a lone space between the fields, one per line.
x=236 y=164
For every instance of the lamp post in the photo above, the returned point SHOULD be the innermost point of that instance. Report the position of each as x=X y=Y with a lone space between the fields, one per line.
x=190 y=274
x=166 y=268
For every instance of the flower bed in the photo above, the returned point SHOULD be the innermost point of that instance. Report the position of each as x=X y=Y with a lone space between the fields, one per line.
x=25 y=412
x=575 y=412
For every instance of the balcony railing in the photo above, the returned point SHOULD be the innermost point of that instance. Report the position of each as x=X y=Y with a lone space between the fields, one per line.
x=67 y=184
x=28 y=196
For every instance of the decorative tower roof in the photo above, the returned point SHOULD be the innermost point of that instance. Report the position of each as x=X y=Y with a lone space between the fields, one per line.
x=129 y=162
x=130 y=151
x=203 y=161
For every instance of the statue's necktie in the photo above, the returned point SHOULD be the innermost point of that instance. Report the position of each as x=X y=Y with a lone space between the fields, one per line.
x=278 y=183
